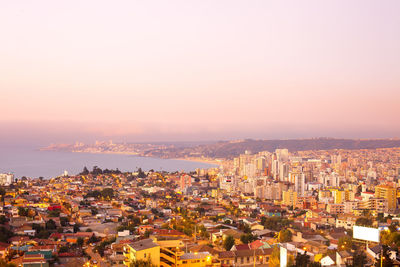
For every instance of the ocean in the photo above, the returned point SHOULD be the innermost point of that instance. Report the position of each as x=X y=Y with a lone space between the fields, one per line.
x=31 y=162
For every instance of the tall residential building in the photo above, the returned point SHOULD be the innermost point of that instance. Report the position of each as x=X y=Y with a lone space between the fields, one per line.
x=6 y=178
x=299 y=180
x=186 y=181
x=283 y=171
x=389 y=193
x=289 y=198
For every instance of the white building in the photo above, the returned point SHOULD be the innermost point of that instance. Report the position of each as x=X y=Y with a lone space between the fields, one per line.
x=6 y=178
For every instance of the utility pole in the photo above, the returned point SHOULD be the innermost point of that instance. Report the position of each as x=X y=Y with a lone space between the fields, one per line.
x=254 y=258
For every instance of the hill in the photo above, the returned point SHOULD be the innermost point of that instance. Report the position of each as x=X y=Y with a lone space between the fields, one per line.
x=230 y=149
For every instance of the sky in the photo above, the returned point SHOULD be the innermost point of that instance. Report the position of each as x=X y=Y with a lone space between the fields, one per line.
x=198 y=70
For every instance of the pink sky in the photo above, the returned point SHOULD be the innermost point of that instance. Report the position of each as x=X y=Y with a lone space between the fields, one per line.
x=189 y=70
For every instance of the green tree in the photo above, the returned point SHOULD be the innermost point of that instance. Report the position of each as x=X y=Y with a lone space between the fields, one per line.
x=247 y=238
x=141 y=173
x=359 y=259
x=63 y=249
x=107 y=193
x=364 y=221
x=345 y=243
x=384 y=261
x=3 y=219
x=51 y=225
x=284 y=236
x=228 y=242
x=302 y=260
x=23 y=211
x=274 y=260
x=85 y=171
x=76 y=228
x=80 y=242
x=5 y=234
x=64 y=221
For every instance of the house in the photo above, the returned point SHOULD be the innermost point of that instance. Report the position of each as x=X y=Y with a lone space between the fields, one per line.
x=223 y=234
x=227 y=258
x=259 y=257
x=327 y=261
x=344 y=258
x=144 y=249
x=33 y=260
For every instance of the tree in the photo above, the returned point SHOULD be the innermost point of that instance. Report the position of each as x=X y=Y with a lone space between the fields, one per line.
x=107 y=193
x=3 y=219
x=85 y=171
x=359 y=259
x=93 y=239
x=274 y=260
x=5 y=234
x=51 y=225
x=284 y=236
x=364 y=221
x=345 y=243
x=141 y=173
x=247 y=238
x=229 y=242
x=76 y=228
x=384 y=261
x=3 y=263
x=96 y=171
x=63 y=249
x=64 y=221
x=275 y=223
x=302 y=260
x=23 y=211
x=80 y=242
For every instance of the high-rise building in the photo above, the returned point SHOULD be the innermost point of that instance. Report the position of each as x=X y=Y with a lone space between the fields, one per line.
x=389 y=193
x=289 y=198
x=186 y=181
x=6 y=178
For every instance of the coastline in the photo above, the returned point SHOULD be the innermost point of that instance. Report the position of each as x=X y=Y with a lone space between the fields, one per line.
x=199 y=160
x=202 y=160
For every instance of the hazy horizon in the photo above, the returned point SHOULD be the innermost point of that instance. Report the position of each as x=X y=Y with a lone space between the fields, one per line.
x=152 y=71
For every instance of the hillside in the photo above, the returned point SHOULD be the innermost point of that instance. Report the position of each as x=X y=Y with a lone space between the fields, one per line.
x=230 y=149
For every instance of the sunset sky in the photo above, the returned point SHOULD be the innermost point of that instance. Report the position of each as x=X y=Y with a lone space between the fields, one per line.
x=198 y=70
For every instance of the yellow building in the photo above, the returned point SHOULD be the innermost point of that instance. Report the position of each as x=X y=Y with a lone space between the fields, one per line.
x=165 y=253
x=289 y=198
x=341 y=195
x=143 y=250
x=389 y=193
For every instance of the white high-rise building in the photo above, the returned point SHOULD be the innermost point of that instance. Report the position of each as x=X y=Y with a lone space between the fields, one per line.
x=299 y=180
x=283 y=171
x=6 y=178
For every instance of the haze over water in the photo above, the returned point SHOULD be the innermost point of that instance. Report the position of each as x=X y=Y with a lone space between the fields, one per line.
x=30 y=162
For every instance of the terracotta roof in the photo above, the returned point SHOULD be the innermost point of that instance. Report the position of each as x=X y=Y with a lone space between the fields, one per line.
x=226 y=254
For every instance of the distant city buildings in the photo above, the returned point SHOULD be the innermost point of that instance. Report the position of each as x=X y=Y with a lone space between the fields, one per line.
x=6 y=178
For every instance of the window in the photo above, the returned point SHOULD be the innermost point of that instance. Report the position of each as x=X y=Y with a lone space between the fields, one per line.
x=145 y=255
x=241 y=260
x=184 y=262
x=248 y=259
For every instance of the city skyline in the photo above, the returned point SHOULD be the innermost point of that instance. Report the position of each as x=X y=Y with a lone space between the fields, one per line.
x=136 y=71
